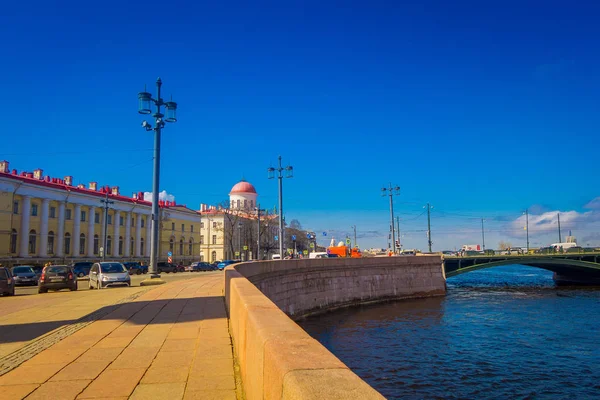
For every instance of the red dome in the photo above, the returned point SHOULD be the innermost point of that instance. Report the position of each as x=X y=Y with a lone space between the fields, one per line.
x=243 y=187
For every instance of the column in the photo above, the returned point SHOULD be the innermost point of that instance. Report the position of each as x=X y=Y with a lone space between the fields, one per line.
x=60 y=242
x=76 y=230
x=127 y=244
x=25 y=214
x=43 y=249
x=115 y=241
x=148 y=236
x=90 y=238
x=138 y=235
x=103 y=230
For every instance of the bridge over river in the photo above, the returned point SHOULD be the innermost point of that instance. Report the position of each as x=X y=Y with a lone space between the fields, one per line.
x=576 y=268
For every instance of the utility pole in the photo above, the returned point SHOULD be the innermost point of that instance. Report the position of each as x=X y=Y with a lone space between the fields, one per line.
x=258 y=210
x=354 y=227
x=429 y=226
x=106 y=202
x=398 y=231
x=482 y=234
x=391 y=191
x=559 y=235
x=240 y=239
x=527 y=227
x=288 y=174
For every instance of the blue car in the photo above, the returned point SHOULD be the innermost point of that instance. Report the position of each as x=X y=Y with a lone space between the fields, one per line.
x=225 y=263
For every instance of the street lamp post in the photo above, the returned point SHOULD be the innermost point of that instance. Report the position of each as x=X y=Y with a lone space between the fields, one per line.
x=527 y=227
x=106 y=202
x=258 y=210
x=145 y=103
x=240 y=239
x=391 y=191
x=354 y=227
x=289 y=173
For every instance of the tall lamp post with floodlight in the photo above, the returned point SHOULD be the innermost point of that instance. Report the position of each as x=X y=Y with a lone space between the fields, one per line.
x=145 y=107
x=289 y=173
x=391 y=191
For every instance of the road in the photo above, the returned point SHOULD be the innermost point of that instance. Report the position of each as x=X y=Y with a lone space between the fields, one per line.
x=29 y=315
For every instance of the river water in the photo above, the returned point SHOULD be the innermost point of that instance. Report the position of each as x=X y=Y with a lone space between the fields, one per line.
x=501 y=333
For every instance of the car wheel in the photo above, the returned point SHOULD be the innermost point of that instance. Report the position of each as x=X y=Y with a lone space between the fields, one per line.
x=160 y=271
x=11 y=293
x=73 y=289
x=42 y=290
x=175 y=271
x=130 y=272
x=138 y=272
x=80 y=275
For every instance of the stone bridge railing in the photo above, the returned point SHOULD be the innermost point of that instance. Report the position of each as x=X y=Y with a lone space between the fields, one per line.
x=277 y=358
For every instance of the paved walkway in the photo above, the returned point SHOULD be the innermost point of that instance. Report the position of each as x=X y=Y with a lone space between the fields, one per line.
x=169 y=343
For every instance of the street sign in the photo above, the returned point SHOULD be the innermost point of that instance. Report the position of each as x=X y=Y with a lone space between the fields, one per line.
x=294 y=238
x=276 y=237
x=348 y=241
x=169 y=260
x=237 y=253
x=312 y=245
x=308 y=236
x=290 y=250
x=305 y=252
x=170 y=254
x=101 y=251
x=245 y=247
x=324 y=233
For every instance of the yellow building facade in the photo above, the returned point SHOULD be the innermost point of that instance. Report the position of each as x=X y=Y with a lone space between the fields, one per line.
x=51 y=219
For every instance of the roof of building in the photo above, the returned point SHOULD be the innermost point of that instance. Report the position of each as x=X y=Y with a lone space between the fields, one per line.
x=243 y=187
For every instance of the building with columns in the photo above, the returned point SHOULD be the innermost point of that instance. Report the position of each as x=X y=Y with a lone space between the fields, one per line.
x=51 y=219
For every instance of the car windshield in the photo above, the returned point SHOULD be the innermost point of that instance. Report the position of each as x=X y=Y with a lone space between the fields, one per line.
x=112 y=268
x=57 y=270
x=3 y=275
x=22 y=270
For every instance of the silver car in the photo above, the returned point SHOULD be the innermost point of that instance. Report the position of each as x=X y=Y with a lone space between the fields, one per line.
x=105 y=274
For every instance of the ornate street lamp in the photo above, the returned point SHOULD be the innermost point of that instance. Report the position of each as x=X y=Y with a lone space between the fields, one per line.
x=289 y=173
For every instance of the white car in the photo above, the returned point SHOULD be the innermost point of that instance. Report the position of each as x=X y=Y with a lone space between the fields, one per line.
x=105 y=274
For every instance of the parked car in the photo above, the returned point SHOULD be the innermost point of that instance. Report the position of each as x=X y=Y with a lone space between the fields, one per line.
x=166 y=267
x=225 y=263
x=201 y=266
x=105 y=274
x=180 y=268
x=7 y=284
x=24 y=275
x=82 y=268
x=135 y=268
x=38 y=271
x=57 y=277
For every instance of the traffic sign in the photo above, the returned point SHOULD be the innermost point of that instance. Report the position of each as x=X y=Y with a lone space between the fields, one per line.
x=245 y=247
x=348 y=241
x=294 y=238
x=276 y=237
x=237 y=253
x=290 y=250
x=170 y=254
x=305 y=252
x=324 y=233
x=169 y=260
x=308 y=236
x=312 y=245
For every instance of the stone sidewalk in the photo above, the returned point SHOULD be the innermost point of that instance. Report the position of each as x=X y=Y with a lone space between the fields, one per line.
x=172 y=342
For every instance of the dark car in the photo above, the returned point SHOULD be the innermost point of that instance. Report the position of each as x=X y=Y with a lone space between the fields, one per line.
x=180 y=268
x=166 y=267
x=7 y=285
x=82 y=268
x=57 y=277
x=225 y=263
x=135 y=268
x=38 y=270
x=201 y=266
x=24 y=275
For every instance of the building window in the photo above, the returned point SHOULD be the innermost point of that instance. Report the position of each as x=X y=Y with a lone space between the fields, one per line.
x=67 y=243
x=191 y=228
x=214 y=224
x=34 y=210
x=131 y=245
x=82 y=244
x=143 y=221
x=190 y=247
x=83 y=215
x=238 y=204
x=141 y=245
x=50 y=242
x=68 y=213
x=32 y=241
x=108 y=245
x=232 y=203
x=120 y=245
x=121 y=221
x=251 y=203
x=213 y=256
x=96 y=218
x=171 y=245
x=182 y=227
x=214 y=239
x=52 y=212
x=201 y=239
x=132 y=221
x=96 y=244
x=201 y=225
x=109 y=219
x=245 y=204
x=172 y=226
x=181 y=247
x=15 y=207
x=13 y=241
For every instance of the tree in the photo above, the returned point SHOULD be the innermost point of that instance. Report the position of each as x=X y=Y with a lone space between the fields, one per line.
x=295 y=224
x=502 y=245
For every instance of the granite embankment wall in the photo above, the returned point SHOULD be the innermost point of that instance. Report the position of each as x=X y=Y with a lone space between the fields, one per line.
x=277 y=358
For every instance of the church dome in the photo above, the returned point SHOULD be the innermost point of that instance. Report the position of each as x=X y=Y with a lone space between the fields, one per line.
x=243 y=187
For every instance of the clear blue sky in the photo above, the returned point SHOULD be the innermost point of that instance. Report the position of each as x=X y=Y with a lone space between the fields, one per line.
x=480 y=109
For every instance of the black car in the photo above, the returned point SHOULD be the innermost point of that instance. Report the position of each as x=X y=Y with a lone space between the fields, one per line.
x=56 y=277
x=82 y=268
x=135 y=268
x=7 y=284
x=24 y=275
x=166 y=267
x=201 y=266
